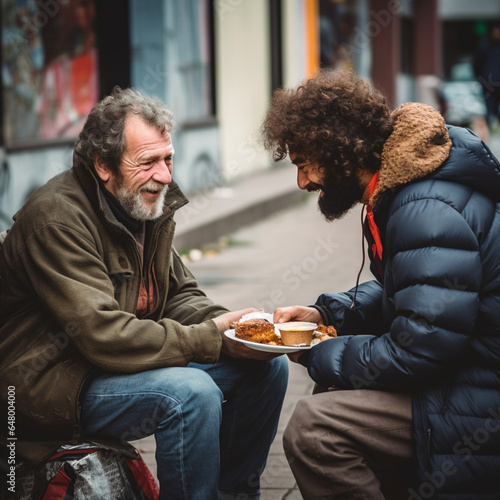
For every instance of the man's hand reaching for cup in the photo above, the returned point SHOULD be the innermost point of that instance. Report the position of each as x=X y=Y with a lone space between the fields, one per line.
x=297 y=313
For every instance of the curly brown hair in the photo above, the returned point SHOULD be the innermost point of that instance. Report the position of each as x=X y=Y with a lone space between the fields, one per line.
x=335 y=119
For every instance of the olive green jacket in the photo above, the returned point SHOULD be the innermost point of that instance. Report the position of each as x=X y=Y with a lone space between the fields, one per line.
x=70 y=275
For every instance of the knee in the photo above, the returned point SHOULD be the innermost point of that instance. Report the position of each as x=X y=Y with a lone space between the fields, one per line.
x=197 y=383
x=279 y=367
x=188 y=390
x=278 y=374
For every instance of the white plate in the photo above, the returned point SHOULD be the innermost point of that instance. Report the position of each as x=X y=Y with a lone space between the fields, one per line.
x=257 y=315
x=281 y=349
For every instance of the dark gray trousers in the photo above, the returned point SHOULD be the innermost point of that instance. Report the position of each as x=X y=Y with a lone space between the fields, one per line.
x=340 y=442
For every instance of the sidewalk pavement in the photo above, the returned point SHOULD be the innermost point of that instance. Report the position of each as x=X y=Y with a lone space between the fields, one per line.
x=221 y=210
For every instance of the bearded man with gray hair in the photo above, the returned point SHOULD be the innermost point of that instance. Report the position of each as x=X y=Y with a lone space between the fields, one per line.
x=104 y=332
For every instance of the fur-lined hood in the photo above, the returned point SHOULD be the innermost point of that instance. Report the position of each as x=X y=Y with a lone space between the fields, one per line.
x=418 y=145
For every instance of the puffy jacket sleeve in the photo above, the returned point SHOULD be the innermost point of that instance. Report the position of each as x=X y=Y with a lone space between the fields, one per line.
x=433 y=264
x=356 y=311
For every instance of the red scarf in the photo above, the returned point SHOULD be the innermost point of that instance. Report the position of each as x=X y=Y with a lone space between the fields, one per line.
x=377 y=245
x=377 y=242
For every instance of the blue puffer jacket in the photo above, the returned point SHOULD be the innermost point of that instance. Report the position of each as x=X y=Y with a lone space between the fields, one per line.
x=430 y=324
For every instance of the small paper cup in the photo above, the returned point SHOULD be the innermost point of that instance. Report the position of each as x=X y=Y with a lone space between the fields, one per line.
x=296 y=333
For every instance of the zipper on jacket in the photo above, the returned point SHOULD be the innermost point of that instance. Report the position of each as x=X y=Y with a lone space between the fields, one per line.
x=139 y=262
x=148 y=269
x=429 y=435
x=78 y=431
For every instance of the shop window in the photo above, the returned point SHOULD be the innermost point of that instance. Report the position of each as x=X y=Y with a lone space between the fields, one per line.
x=51 y=59
x=191 y=55
x=407 y=45
x=338 y=34
x=461 y=40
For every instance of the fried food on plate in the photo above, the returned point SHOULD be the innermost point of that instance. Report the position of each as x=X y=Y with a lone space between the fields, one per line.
x=256 y=330
x=326 y=330
x=323 y=332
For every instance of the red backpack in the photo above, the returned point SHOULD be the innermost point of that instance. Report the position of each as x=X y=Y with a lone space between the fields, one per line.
x=88 y=471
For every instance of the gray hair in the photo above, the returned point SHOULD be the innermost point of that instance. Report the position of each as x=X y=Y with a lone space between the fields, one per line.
x=103 y=132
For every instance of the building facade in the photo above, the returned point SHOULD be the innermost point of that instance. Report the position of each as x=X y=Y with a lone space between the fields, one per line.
x=215 y=63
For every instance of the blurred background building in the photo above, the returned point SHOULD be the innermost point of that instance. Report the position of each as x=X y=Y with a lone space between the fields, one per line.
x=216 y=63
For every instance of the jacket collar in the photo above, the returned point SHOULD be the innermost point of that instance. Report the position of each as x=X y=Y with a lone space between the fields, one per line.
x=87 y=177
x=418 y=145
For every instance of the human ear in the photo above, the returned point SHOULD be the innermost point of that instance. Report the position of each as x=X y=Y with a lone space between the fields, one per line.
x=101 y=169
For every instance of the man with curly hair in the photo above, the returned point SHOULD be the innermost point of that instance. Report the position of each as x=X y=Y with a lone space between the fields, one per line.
x=412 y=381
x=105 y=334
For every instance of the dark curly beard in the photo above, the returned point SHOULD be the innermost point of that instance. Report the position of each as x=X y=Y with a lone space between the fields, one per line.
x=339 y=196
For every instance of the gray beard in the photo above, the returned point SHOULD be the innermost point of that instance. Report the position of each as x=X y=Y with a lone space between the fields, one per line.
x=134 y=205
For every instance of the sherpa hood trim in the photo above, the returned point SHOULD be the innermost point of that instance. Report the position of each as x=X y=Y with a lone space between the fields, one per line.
x=418 y=145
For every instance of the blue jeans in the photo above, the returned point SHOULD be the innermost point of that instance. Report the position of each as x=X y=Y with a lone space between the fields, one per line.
x=213 y=424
